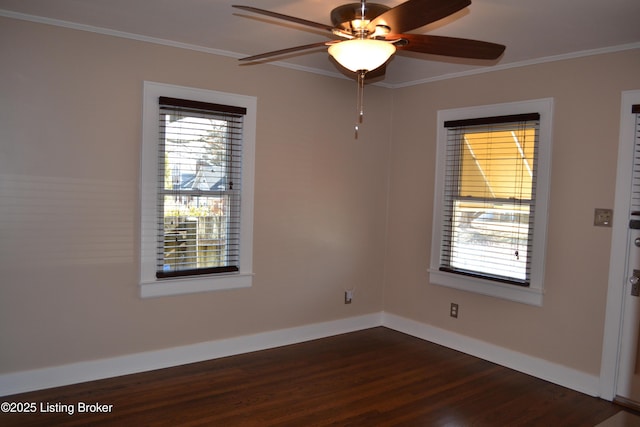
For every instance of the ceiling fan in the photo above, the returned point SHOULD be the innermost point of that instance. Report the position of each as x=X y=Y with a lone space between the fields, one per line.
x=366 y=35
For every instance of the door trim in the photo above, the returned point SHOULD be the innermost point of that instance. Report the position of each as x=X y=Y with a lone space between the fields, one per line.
x=618 y=254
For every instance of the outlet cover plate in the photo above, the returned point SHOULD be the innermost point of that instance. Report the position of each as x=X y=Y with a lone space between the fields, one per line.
x=453 y=311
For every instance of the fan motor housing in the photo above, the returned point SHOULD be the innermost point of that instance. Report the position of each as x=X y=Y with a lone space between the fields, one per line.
x=342 y=16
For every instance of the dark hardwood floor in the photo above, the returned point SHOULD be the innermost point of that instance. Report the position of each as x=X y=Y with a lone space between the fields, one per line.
x=376 y=377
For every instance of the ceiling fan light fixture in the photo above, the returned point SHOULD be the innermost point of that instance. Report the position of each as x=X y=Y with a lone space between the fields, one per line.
x=362 y=54
x=359 y=25
x=373 y=32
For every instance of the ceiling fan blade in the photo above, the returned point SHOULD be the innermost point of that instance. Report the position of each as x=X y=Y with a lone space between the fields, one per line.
x=417 y=13
x=448 y=46
x=283 y=51
x=286 y=17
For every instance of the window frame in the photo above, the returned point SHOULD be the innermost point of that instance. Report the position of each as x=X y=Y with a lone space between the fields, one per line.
x=150 y=285
x=532 y=294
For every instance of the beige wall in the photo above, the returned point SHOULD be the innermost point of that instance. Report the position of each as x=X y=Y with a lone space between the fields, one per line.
x=70 y=114
x=70 y=132
x=568 y=328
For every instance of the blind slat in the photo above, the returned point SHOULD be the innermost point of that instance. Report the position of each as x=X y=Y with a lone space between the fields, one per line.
x=495 y=120
x=199 y=105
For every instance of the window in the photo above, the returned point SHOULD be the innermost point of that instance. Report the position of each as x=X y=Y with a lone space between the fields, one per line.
x=197 y=190
x=491 y=197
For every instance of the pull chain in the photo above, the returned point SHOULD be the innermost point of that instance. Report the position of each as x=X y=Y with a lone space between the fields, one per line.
x=360 y=74
x=360 y=100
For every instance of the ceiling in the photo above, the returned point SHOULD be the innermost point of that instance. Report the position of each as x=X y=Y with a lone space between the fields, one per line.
x=533 y=31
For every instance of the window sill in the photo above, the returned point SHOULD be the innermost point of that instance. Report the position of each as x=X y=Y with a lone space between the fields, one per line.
x=525 y=295
x=181 y=286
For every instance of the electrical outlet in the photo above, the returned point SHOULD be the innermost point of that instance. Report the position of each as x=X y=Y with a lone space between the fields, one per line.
x=348 y=296
x=454 y=310
x=603 y=217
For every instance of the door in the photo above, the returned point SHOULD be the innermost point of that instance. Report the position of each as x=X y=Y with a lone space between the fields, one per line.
x=628 y=375
x=628 y=388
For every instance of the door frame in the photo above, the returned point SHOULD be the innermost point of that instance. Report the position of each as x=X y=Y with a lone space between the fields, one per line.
x=617 y=282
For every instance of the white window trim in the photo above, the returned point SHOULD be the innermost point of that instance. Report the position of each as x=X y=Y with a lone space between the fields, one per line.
x=533 y=294
x=150 y=286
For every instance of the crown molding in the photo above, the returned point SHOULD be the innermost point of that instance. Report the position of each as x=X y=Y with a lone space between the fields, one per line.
x=518 y=64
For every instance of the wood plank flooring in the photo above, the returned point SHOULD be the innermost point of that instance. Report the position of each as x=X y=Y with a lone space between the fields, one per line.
x=376 y=377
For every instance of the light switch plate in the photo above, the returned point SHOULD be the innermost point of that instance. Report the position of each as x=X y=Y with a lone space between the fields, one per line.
x=603 y=217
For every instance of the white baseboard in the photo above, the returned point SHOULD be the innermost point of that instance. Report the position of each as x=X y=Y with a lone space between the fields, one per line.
x=539 y=368
x=39 y=379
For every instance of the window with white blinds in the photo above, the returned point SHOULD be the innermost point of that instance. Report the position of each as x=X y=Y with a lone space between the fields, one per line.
x=635 y=190
x=199 y=187
x=491 y=196
x=197 y=178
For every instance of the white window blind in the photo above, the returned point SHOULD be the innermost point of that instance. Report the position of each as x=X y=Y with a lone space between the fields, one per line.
x=199 y=187
x=489 y=197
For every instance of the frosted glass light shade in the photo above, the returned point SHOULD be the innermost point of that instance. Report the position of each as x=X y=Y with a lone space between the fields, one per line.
x=362 y=54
